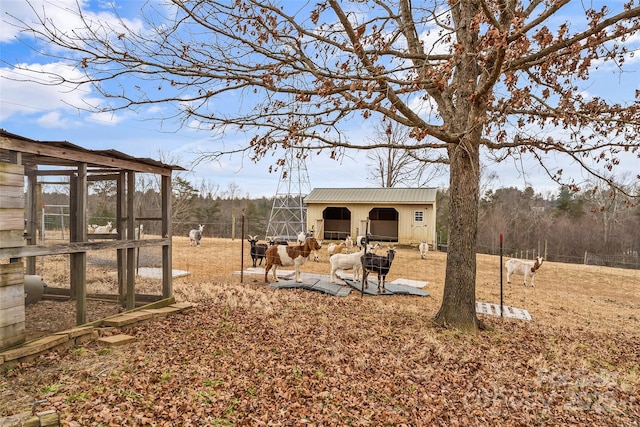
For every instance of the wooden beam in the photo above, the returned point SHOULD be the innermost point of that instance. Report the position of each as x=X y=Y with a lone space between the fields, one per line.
x=76 y=247
x=70 y=154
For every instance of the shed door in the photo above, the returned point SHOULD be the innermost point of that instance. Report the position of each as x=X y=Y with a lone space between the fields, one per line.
x=337 y=223
x=384 y=224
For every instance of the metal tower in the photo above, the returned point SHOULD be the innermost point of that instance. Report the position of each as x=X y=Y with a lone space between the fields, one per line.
x=288 y=213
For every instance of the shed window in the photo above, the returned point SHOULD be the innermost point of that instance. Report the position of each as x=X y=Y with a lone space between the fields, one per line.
x=418 y=216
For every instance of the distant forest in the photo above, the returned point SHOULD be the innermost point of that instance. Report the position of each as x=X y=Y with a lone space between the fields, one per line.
x=595 y=227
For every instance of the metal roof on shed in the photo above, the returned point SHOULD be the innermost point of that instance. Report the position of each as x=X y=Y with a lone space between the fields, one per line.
x=372 y=195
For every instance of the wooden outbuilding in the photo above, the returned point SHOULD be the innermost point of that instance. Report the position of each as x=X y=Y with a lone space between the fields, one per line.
x=24 y=164
x=400 y=215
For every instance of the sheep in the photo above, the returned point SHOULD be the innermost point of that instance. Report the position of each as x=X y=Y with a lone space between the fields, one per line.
x=377 y=264
x=523 y=267
x=424 y=248
x=350 y=261
x=196 y=235
x=258 y=250
x=284 y=255
x=103 y=229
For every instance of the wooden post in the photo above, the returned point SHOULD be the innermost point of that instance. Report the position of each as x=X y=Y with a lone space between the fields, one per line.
x=121 y=204
x=32 y=219
x=167 y=267
x=12 y=312
x=78 y=229
x=131 y=252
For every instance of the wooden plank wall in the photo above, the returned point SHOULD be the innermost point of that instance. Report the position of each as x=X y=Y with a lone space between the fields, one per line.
x=12 y=312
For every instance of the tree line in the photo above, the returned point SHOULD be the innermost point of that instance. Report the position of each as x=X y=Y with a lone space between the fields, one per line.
x=597 y=224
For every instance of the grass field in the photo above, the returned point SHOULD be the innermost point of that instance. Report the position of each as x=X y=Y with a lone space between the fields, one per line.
x=251 y=355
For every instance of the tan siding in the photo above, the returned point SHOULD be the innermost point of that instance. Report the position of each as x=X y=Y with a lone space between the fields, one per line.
x=408 y=231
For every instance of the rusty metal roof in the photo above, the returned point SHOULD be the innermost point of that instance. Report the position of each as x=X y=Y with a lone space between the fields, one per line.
x=372 y=195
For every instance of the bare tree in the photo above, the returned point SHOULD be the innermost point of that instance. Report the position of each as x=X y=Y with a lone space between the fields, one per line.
x=392 y=167
x=508 y=77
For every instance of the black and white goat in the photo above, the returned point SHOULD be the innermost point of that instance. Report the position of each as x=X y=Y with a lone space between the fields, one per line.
x=377 y=264
x=258 y=250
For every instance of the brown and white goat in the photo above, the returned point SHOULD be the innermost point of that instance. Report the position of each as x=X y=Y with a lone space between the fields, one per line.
x=336 y=248
x=524 y=268
x=285 y=255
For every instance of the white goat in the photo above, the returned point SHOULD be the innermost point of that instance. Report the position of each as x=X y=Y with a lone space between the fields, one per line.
x=348 y=244
x=103 y=229
x=196 y=235
x=301 y=238
x=139 y=232
x=424 y=248
x=352 y=261
x=524 y=268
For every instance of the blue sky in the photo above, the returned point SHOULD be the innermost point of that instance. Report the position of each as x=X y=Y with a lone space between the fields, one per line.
x=46 y=113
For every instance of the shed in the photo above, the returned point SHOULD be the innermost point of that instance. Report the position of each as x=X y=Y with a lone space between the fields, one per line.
x=400 y=215
x=25 y=163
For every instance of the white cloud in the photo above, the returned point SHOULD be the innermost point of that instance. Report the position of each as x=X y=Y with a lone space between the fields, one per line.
x=33 y=91
x=55 y=120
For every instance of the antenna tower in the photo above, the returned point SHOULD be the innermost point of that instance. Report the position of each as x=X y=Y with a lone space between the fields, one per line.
x=288 y=213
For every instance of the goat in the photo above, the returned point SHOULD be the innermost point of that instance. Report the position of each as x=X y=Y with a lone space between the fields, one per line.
x=196 y=235
x=301 y=238
x=138 y=232
x=424 y=248
x=352 y=261
x=284 y=255
x=103 y=229
x=377 y=264
x=348 y=244
x=334 y=248
x=277 y=241
x=360 y=241
x=258 y=250
x=524 y=268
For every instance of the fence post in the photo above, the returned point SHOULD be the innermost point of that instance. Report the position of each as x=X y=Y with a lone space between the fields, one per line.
x=585 y=258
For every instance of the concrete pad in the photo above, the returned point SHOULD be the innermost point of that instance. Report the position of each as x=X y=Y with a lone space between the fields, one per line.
x=409 y=282
x=405 y=290
x=494 y=310
x=156 y=273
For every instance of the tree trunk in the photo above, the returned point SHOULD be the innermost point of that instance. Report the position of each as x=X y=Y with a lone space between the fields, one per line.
x=458 y=309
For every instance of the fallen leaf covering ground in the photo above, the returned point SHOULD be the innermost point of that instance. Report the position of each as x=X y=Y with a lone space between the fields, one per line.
x=252 y=355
